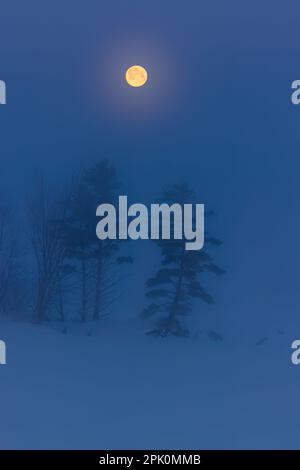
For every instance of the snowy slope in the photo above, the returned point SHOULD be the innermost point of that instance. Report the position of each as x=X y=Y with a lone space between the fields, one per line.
x=121 y=389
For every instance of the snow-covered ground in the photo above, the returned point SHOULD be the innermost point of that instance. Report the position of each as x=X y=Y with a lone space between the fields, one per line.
x=117 y=388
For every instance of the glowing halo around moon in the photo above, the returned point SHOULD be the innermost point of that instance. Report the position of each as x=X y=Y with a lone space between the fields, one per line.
x=136 y=76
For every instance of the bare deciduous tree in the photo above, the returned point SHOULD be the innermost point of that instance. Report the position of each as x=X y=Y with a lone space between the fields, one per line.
x=7 y=259
x=45 y=216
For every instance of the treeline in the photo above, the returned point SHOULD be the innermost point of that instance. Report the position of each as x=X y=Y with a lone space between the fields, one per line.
x=62 y=265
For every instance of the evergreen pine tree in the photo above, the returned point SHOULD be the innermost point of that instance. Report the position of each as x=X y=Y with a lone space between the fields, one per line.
x=176 y=285
x=93 y=258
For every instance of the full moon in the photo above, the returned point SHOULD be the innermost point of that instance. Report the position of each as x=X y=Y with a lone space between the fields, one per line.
x=136 y=76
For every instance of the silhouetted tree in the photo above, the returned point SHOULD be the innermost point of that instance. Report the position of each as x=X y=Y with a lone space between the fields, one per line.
x=177 y=283
x=103 y=184
x=94 y=259
x=8 y=264
x=78 y=231
x=45 y=216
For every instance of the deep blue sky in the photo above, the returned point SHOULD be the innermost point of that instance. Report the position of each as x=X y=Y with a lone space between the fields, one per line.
x=216 y=112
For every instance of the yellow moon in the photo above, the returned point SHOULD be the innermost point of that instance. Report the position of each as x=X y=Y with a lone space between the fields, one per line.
x=136 y=76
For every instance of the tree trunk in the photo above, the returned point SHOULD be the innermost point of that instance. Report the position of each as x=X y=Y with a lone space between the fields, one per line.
x=60 y=301
x=177 y=291
x=40 y=308
x=97 y=301
x=83 y=291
